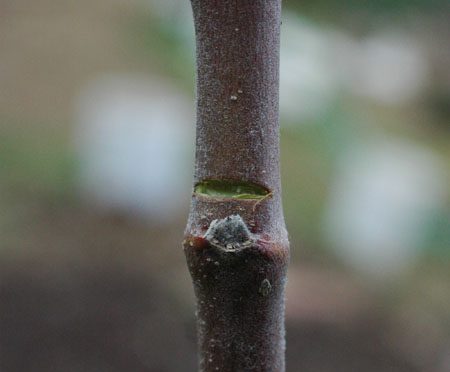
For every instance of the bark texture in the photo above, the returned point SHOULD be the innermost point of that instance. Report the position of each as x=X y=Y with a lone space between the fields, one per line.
x=237 y=247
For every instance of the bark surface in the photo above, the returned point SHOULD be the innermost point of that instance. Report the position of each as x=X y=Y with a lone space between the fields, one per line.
x=235 y=241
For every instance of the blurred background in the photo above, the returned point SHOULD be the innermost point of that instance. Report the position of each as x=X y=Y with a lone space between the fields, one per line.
x=96 y=151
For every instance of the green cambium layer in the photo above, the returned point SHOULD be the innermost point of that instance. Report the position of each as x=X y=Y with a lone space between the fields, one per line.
x=224 y=189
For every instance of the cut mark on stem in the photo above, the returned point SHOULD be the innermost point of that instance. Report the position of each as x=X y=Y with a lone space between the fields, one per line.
x=226 y=189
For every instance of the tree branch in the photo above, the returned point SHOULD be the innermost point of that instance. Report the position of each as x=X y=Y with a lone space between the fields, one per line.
x=235 y=241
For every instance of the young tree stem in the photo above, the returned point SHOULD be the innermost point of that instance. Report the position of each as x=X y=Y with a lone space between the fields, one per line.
x=235 y=240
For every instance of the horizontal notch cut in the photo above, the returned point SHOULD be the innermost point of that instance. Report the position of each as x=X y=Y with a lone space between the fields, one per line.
x=230 y=189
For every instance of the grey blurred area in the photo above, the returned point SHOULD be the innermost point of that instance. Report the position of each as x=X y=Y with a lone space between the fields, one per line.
x=96 y=148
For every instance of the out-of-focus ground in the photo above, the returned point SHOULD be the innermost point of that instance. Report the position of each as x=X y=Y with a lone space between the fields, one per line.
x=96 y=148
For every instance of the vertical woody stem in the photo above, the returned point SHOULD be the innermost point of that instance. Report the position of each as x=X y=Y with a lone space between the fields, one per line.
x=235 y=241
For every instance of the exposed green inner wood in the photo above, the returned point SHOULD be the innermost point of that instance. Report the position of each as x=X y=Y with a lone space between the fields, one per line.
x=224 y=189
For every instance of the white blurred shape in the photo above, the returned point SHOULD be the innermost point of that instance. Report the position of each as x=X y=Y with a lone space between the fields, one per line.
x=133 y=138
x=318 y=63
x=390 y=68
x=384 y=194
x=308 y=80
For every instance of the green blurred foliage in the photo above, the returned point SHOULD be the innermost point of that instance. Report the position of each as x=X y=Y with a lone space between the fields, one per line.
x=36 y=164
x=342 y=11
x=152 y=37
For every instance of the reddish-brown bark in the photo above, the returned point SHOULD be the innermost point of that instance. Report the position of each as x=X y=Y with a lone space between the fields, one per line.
x=237 y=248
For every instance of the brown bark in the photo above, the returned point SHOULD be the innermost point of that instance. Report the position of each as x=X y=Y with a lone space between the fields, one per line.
x=236 y=245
